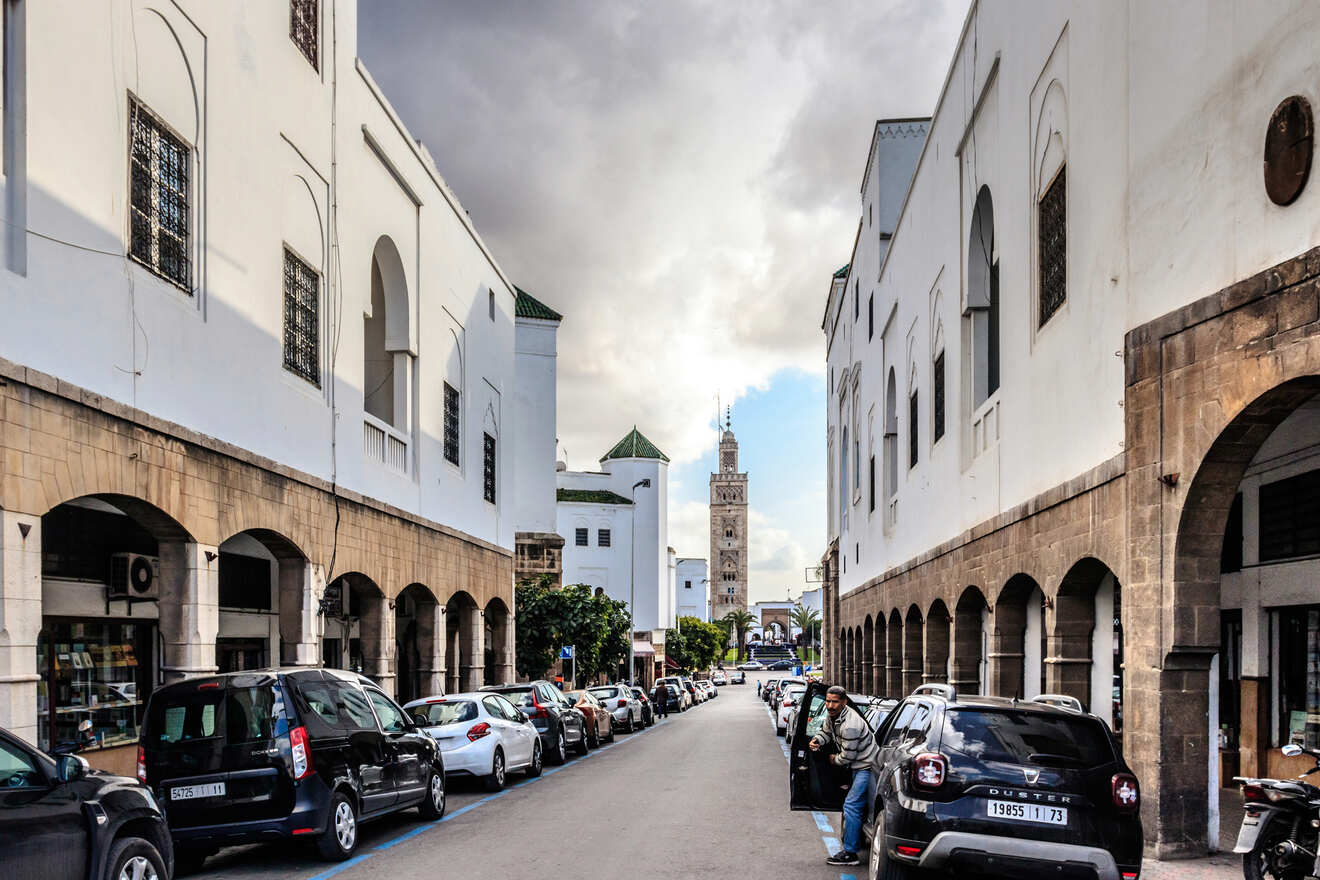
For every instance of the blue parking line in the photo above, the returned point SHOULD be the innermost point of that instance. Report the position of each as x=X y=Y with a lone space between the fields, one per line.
x=832 y=844
x=821 y=822
x=342 y=866
x=847 y=877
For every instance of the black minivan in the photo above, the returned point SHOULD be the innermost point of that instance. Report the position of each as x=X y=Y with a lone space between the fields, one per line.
x=301 y=753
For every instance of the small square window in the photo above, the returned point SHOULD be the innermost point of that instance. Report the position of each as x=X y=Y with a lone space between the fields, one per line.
x=580 y=537
x=602 y=537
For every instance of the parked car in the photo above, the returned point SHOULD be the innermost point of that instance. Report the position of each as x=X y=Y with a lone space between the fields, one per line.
x=648 y=712
x=557 y=723
x=1035 y=784
x=619 y=700
x=767 y=690
x=787 y=700
x=674 y=701
x=711 y=691
x=752 y=665
x=600 y=722
x=685 y=697
x=782 y=665
x=738 y=678
x=482 y=735
x=717 y=678
x=698 y=695
x=47 y=805
x=308 y=753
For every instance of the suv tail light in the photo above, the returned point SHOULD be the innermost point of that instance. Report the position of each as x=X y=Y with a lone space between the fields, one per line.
x=623 y=703
x=787 y=703
x=538 y=711
x=142 y=765
x=929 y=769
x=302 y=754
x=1127 y=794
x=477 y=731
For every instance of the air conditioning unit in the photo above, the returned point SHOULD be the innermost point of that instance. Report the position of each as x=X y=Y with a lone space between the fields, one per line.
x=134 y=576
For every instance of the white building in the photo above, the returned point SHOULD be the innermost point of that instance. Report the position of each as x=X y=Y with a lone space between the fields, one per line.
x=252 y=344
x=615 y=524
x=539 y=546
x=692 y=589
x=1073 y=440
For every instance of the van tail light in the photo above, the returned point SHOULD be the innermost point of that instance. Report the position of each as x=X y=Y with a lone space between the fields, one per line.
x=929 y=770
x=142 y=765
x=623 y=703
x=477 y=731
x=1129 y=875
x=302 y=753
x=904 y=849
x=1127 y=794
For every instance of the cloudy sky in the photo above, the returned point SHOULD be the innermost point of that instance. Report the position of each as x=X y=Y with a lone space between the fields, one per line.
x=680 y=179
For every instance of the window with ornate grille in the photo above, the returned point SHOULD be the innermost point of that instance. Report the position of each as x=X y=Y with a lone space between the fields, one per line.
x=302 y=304
x=580 y=537
x=1053 y=231
x=305 y=30
x=451 y=424
x=602 y=537
x=159 y=205
x=488 y=470
x=912 y=430
x=938 y=397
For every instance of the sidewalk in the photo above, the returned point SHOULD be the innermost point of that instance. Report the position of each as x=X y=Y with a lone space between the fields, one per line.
x=1220 y=866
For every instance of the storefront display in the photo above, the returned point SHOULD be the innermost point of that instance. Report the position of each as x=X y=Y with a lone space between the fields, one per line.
x=1299 y=676
x=92 y=671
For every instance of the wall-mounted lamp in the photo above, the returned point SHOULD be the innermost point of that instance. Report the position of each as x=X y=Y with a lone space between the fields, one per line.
x=1169 y=480
x=211 y=555
x=24 y=528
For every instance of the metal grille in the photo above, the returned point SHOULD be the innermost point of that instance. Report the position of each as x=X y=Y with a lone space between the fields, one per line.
x=1053 y=231
x=580 y=537
x=602 y=537
x=938 y=397
x=158 y=198
x=302 y=298
x=451 y=424
x=304 y=28
x=912 y=430
x=489 y=468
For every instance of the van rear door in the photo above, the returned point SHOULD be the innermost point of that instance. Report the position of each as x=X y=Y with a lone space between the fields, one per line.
x=217 y=750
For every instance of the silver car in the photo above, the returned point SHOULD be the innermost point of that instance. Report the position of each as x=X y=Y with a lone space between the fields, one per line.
x=626 y=709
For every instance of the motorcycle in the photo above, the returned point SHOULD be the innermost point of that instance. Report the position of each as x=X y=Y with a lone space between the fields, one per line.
x=1280 y=825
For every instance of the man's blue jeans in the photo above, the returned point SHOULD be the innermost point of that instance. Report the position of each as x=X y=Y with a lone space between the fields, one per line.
x=854 y=809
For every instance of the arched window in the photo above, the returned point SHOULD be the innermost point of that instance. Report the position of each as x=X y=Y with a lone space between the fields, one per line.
x=891 y=437
x=983 y=299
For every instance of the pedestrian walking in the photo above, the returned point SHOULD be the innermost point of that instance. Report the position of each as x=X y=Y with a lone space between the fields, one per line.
x=846 y=734
x=660 y=697
x=758 y=687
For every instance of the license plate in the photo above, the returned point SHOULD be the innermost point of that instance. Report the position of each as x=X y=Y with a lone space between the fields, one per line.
x=1027 y=812
x=188 y=792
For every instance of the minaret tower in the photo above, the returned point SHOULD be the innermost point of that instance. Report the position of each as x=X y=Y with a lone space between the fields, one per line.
x=728 y=530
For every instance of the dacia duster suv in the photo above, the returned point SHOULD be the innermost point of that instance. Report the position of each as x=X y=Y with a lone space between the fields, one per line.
x=969 y=786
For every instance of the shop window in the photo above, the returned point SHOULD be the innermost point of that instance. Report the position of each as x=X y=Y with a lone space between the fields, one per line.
x=93 y=671
x=77 y=542
x=1230 y=558
x=1290 y=517
x=1299 y=676
x=159 y=191
x=245 y=582
x=236 y=655
x=1230 y=677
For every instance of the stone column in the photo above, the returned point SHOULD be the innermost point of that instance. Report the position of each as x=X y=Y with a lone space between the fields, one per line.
x=967 y=651
x=20 y=622
x=453 y=650
x=937 y=650
x=472 y=631
x=1068 y=644
x=913 y=664
x=376 y=633
x=189 y=608
x=302 y=585
x=431 y=645
x=1008 y=629
x=894 y=663
x=508 y=652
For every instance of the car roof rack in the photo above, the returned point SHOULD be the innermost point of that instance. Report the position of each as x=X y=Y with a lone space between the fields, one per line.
x=946 y=691
x=1062 y=701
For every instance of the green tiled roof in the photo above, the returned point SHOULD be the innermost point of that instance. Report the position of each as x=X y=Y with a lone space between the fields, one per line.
x=841 y=272
x=590 y=496
x=635 y=445
x=528 y=306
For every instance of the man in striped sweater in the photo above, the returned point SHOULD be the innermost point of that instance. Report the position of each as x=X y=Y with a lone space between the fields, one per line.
x=846 y=733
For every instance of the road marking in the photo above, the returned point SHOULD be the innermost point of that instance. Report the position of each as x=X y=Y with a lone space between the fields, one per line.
x=821 y=822
x=832 y=844
x=847 y=877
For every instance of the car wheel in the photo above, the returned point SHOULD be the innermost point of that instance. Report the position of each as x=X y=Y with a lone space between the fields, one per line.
x=880 y=865
x=133 y=858
x=584 y=744
x=340 y=839
x=631 y=727
x=781 y=731
x=432 y=806
x=495 y=781
x=560 y=754
x=609 y=737
x=534 y=768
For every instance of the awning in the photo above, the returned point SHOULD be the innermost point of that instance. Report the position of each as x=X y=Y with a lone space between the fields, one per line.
x=643 y=649
x=671 y=663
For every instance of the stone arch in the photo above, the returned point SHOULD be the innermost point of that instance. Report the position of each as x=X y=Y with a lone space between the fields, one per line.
x=894 y=656
x=498 y=639
x=1015 y=640
x=936 y=665
x=867 y=684
x=913 y=649
x=359 y=628
x=970 y=642
x=1073 y=626
x=296 y=589
x=388 y=347
x=419 y=642
x=464 y=649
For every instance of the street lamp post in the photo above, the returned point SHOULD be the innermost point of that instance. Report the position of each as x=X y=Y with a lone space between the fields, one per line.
x=632 y=575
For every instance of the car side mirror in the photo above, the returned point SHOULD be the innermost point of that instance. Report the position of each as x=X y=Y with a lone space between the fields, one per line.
x=524 y=716
x=1291 y=750
x=71 y=768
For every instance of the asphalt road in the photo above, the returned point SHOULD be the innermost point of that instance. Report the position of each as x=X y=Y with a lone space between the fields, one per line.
x=701 y=794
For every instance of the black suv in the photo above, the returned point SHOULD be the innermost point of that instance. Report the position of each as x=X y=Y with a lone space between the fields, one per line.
x=301 y=753
x=984 y=785
x=59 y=820
x=551 y=713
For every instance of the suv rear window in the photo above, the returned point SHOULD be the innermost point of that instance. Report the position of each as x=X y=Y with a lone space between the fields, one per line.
x=185 y=715
x=1021 y=737
x=518 y=698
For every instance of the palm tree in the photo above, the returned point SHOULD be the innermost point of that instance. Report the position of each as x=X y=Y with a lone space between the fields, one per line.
x=741 y=621
x=807 y=620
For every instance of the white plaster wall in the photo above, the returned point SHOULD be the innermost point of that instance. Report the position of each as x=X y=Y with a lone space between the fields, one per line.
x=262 y=173
x=535 y=344
x=691 y=601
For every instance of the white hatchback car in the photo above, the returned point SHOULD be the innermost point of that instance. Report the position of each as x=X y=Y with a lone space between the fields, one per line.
x=787 y=699
x=480 y=734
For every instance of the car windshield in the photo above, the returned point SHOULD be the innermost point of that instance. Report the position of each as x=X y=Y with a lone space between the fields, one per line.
x=519 y=698
x=604 y=693
x=1026 y=737
x=794 y=692
x=440 y=714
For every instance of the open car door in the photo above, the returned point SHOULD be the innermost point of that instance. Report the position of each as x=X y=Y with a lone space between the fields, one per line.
x=813 y=782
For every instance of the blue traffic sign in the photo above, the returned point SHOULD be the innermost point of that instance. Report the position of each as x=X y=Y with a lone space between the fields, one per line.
x=566 y=652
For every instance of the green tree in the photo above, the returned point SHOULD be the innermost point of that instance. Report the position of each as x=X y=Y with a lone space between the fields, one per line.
x=548 y=618
x=740 y=621
x=701 y=643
